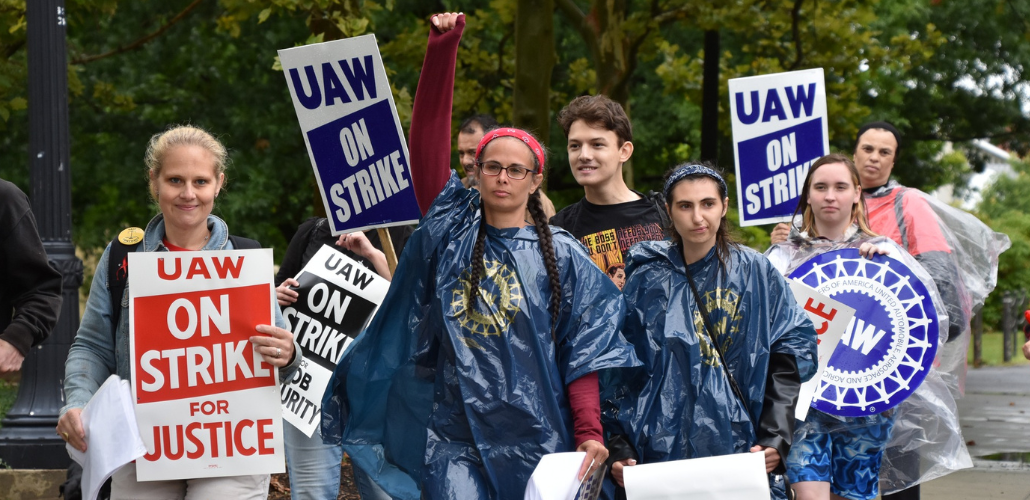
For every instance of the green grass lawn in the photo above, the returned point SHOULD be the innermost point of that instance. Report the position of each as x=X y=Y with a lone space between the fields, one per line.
x=993 y=350
x=8 y=391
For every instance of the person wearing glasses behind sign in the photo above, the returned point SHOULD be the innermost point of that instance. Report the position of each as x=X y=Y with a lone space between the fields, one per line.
x=703 y=393
x=511 y=323
x=186 y=168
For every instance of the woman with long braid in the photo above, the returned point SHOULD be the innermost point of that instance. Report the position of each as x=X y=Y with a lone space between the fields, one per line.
x=485 y=355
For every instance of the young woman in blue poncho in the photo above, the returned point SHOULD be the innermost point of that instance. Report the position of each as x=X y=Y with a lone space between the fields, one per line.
x=484 y=354
x=700 y=392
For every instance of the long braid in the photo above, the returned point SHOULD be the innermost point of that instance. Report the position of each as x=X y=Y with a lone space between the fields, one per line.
x=477 y=262
x=547 y=249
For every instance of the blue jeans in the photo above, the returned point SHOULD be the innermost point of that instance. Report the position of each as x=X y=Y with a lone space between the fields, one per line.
x=315 y=469
x=368 y=489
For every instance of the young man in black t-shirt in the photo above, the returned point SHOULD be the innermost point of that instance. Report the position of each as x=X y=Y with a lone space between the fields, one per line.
x=611 y=217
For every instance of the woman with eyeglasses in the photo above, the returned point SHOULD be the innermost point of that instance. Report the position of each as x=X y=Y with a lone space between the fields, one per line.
x=494 y=329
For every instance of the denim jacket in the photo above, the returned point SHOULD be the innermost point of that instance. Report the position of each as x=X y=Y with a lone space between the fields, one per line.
x=96 y=354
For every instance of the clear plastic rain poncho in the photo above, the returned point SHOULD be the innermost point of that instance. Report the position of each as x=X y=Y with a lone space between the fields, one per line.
x=679 y=404
x=452 y=403
x=926 y=440
x=958 y=251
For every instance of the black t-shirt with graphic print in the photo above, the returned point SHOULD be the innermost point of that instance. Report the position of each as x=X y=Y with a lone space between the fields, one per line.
x=609 y=230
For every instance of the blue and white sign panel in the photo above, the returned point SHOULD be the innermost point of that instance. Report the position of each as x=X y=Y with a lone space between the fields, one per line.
x=779 y=129
x=890 y=344
x=354 y=137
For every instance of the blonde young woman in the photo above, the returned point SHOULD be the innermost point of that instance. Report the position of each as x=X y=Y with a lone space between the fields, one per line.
x=186 y=170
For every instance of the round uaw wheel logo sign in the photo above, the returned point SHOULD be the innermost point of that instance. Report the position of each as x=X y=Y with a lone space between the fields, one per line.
x=890 y=344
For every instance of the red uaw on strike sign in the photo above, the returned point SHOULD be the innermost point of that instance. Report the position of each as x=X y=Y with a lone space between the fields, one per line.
x=206 y=402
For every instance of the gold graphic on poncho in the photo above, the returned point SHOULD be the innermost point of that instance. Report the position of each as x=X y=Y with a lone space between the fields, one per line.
x=499 y=298
x=723 y=313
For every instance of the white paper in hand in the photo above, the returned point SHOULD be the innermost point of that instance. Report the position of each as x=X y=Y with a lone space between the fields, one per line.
x=555 y=478
x=112 y=436
x=727 y=477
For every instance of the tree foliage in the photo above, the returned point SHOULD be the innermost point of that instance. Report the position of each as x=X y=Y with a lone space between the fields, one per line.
x=940 y=70
x=973 y=85
x=1004 y=207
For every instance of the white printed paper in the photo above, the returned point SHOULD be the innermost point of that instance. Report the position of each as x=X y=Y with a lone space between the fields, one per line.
x=779 y=125
x=728 y=477
x=207 y=403
x=112 y=436
x=337 y=297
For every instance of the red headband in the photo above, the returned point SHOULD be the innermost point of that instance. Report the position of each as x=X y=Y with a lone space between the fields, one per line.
x=521 y=135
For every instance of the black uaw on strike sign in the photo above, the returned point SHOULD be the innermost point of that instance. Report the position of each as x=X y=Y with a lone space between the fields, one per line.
x=337 y=297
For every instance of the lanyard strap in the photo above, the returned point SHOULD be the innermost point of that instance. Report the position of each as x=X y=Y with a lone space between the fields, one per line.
x=714 y=341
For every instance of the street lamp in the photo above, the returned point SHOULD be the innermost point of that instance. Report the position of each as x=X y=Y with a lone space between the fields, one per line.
x=28 y=439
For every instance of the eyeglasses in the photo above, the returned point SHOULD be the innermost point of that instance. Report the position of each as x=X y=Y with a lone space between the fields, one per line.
x=516 y=172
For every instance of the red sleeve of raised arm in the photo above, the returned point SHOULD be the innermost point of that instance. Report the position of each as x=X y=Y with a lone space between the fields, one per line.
x=430 y=133
x=585 y=401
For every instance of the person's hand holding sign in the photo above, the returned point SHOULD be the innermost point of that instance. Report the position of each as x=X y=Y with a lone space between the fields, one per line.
x=779 y=233
x=276 y=346
x=772 y=457
x=358 y=243
x=868 y=250
x=285 y=294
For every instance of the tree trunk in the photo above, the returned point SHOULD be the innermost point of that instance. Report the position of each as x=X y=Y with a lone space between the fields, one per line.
x=614 y=53
x=710 y=99
x=534 y=61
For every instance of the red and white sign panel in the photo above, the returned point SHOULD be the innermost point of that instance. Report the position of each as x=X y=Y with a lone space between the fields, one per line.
x=206 y=402
x=831 y=319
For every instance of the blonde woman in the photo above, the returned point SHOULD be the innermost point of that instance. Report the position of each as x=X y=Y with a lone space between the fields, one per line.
x=186 y=170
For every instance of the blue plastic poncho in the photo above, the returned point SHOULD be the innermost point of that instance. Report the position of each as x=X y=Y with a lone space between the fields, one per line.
x=679 y=404
x=463 y=403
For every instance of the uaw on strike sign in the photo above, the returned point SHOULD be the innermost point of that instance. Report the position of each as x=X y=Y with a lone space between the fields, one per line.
x=779 y=130
x=206 y=402
x=337 y=297
x=354 y=137
x=888 y=346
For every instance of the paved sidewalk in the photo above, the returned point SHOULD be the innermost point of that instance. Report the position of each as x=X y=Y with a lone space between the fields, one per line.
x=995 y=417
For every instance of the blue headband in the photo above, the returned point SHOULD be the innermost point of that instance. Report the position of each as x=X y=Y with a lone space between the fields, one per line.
x=680 y=173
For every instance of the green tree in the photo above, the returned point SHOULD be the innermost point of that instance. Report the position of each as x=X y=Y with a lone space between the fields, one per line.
x=972 y=84
x=194 y=72
x=1004 y=207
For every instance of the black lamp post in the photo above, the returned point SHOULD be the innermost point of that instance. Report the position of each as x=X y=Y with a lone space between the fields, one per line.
x=28 y=439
